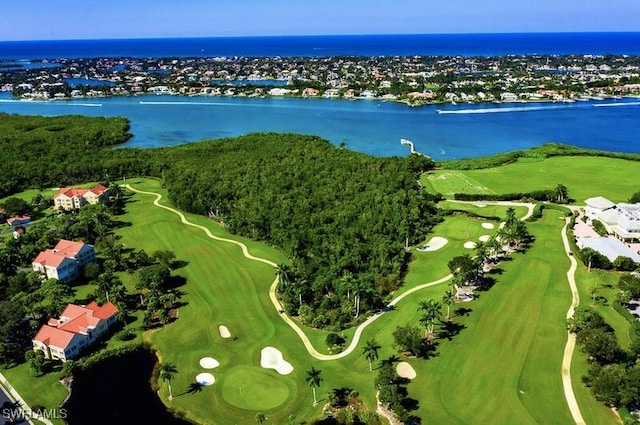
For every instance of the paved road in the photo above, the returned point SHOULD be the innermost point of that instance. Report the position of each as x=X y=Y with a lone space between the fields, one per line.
x=5 y=403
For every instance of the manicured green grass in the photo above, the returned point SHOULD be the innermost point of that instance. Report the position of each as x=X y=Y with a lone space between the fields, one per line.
x=224 y=288
x=584 y=177
x=254 y=388
x=43 y=390
x=593 y=411
x=485 y=210
x=511 y=347
x=449 y=182
x=503 y=368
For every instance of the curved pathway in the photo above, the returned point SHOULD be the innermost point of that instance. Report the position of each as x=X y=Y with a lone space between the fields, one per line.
x=272 y=290
x=571 y=337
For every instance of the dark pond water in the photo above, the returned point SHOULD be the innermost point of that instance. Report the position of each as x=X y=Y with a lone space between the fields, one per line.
x=117 y=391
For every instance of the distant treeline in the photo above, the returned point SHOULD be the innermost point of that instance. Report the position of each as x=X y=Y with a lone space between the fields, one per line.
x=545 y=151
x=340 y=215
x=41 y=152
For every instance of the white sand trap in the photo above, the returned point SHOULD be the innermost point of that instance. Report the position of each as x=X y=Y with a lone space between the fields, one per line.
x=488 y=225
x=434 y=244
x=405 y=370
x=484 y=238
x=503 y=224
x=479 y=205
x=205 y=379
x=224 y=331
x=209 y=363
x=469 y=245
x=271 y=358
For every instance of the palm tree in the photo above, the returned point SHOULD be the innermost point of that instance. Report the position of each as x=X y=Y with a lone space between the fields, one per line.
x=283 y=271
x=449 y=298
x=260 y=418
x=431 y=310
x=561 y=193
x=167 y=370
x=313 y=379
x=370 y=350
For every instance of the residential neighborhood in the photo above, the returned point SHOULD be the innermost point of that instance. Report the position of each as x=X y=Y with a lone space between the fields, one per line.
x=411 y=79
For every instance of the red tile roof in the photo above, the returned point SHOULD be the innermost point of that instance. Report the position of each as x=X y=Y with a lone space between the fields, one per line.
x=99 y=189
x=63 y=249
x=54 y=337
x=68 y=248
x=75 y=319
x=74 y=192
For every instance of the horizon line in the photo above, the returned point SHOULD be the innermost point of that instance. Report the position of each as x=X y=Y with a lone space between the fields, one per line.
x=318 y=35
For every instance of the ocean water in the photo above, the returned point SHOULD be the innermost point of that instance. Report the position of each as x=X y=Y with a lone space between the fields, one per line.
x=370 y=126
x=365 y=45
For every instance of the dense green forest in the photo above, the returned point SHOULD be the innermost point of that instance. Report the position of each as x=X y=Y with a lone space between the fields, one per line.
x=342 y=217
x=54 y=151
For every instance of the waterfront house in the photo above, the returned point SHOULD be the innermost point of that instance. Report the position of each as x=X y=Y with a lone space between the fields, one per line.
x=65 y=261
x=77 y=328
x=70 y=198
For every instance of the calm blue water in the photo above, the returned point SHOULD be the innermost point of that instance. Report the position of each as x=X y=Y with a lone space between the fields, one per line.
x=89 y=82
x=368 y=126
x=373 y=127
x=365 y=45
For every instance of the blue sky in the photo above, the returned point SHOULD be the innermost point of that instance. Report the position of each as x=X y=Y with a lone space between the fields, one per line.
x=87 y=19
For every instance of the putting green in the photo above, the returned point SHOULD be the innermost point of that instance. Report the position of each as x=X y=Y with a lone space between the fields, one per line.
x=253 y=388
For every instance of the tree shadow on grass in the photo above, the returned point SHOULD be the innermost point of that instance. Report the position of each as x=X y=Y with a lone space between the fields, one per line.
x=429 y=350
x=486 y=284
x=449 y=330
x=178 y=264
x=462 y=311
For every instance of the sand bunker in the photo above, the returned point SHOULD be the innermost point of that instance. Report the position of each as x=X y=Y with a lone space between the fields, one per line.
x=469 y=245
x=479 y=205
x=488 y=225
x=205 y=379
x=208 y=363
x=503 y=224
x=405 y=370
x=434 y=244
x=224 y=332
x=484 y=238
x=271 y=358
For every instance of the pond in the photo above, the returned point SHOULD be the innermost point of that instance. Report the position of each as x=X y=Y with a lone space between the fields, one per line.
x=117 y=391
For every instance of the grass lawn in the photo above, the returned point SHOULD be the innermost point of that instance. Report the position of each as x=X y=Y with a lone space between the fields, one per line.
x=502 y=368
x=584 y=177
x=485 y=210
x=224 y=288
x=44 y=390
x=593 y=411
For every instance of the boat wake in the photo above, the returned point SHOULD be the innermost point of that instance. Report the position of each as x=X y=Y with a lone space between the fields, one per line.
x=144 y=102
x=498 y=110
x=608 y=105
